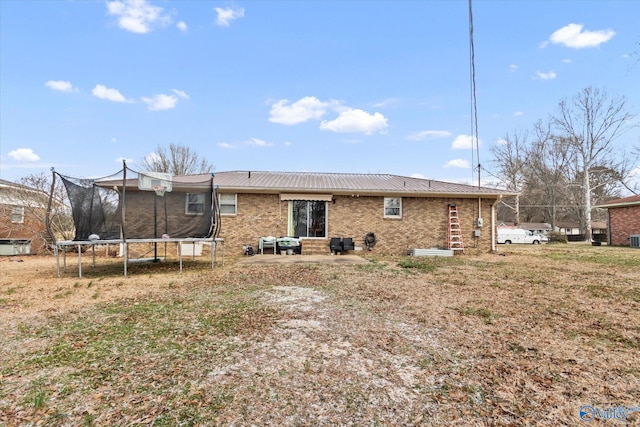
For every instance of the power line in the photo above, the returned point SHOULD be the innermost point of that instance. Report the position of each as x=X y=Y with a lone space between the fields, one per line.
x=474 y=107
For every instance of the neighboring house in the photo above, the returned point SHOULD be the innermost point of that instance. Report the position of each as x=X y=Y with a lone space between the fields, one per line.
x=568 y=228
x=572 y=230
x=402 y=212
x=22 y=227
x=624 y=219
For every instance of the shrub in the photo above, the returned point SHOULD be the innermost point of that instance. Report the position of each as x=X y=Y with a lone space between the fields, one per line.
x=557 y=237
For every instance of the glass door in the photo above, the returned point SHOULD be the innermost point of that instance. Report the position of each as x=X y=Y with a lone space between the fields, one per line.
x=308 y=218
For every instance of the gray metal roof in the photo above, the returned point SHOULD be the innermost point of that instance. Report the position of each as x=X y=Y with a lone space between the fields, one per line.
x=339 y=183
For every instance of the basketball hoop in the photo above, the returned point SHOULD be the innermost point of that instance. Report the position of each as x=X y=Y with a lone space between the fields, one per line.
x=159 y=189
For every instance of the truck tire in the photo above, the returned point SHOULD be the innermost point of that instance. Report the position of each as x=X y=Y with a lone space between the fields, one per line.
x=507 y=242
x=536 y=242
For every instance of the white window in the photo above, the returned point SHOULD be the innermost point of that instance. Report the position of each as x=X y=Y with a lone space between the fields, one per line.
x=228 y=204
x=195 y=204
x=17 y=215
x=393 y=207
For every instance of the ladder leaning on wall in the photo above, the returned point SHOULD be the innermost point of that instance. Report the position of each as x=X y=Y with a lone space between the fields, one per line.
x=455 y=232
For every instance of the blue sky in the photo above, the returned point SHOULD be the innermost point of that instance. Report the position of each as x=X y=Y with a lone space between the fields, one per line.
x=322 y=86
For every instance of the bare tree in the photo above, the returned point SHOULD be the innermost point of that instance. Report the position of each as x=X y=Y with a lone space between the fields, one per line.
x=591 y=122
x=548 y=173
x=176 y=160
x=629 y=170
x=33 y=194
x=509 y=156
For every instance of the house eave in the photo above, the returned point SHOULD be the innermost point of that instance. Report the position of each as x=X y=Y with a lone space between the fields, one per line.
x=618 y=205
x=372 y=193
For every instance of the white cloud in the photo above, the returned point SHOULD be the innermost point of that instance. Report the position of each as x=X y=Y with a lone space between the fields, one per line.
x=114 y=139
x=259 y=142
x=463 y=142
x=518 y=114
x=307 y=108
x=458 y=163
x=182 y=26
x=501 y=141
x=62 y=86
x=225 y=16
x=567 y=61
x=225 y=145
x=137 y=16
x=573 y=36
x=181 y=94
x=311 y=108
x=355 y=120
x=513 y=67
x=152 y=157
x=24 y=155
x=431 y=134
x=418 y=175
x=546 y=76
x=161 y=102
x=104 y=92
x=287 y=144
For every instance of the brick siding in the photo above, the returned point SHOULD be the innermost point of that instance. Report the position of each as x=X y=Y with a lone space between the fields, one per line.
x=423 y=224
x=32 y=228
x=623 y=222
x=139 y=219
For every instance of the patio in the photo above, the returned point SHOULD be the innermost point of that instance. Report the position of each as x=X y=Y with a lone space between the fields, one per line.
x=304 y=259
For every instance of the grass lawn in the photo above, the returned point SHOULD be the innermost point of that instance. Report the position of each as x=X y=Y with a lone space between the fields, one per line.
x=525 y=337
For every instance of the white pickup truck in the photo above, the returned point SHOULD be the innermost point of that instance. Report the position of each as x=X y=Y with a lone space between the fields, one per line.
x=518 y=235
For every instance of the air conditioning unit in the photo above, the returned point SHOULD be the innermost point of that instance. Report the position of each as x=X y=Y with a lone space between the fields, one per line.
x=15 y=247
x=634 y=239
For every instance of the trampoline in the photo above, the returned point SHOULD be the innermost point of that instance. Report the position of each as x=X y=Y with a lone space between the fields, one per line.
x=131 y=207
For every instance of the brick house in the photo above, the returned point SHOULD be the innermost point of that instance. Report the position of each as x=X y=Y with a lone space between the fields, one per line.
x=403 y=212
x=22 y=227
x=624 y=219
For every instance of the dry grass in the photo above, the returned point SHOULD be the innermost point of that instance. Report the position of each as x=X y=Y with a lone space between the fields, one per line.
x=525 y=338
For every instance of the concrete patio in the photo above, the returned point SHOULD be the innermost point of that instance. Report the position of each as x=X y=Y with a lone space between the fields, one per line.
x=304 y=259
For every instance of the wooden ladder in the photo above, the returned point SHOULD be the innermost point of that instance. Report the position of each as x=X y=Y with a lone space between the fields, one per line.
x=455 y=232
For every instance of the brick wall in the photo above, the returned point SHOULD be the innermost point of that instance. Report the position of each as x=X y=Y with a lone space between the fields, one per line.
x=140 y=215
x=32 y=228
x=623 y=222
x=257 y=215
x=423 y=224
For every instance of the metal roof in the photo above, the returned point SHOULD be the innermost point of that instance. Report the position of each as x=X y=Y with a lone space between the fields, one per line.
x=340 y=183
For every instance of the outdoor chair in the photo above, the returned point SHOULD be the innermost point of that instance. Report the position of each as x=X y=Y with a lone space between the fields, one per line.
x=335 y=245
x=269 y=243
x=347 y=244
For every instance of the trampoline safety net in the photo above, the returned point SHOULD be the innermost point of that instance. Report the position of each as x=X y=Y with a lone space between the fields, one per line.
x=114 y=207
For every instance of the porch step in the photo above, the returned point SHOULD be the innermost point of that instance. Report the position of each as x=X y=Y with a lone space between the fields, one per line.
x=315 y=247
